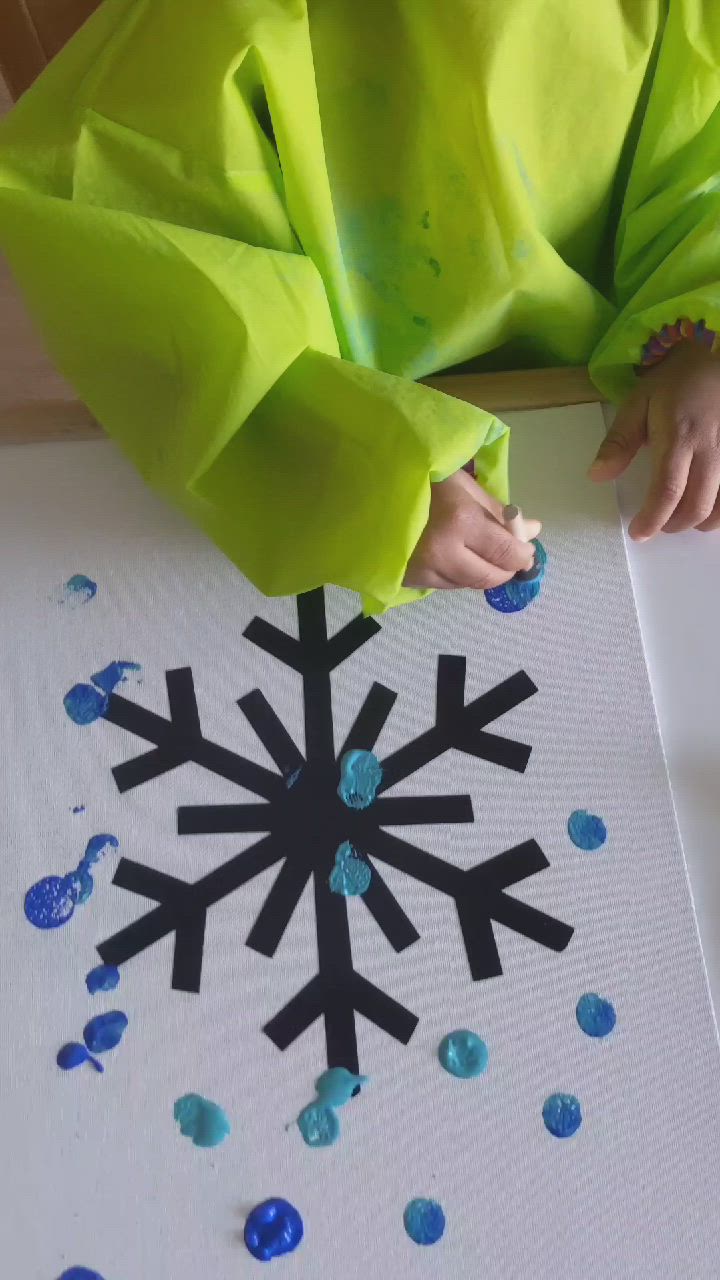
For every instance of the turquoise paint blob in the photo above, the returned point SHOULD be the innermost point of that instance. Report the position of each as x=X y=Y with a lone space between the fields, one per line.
x=463 y=1054
x=318 y=1125
x=351 y=874
x=272 y=1229
x=74 y=1055
x=104 y=977
x=50 y=902
x=80 y=1273
x=586 y=830
x=562 y=1115
x=204 y=1122
x=595 y=1016
x=97 y=847
x=114 y=674
x=79 y=589
x=424 y=1221
x=84 y=704
x=360 y=777
x=516 y=595
x=105 y=1031
x=337 y=1085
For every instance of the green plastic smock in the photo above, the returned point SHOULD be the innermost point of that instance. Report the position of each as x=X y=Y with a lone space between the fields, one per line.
x=247 y=227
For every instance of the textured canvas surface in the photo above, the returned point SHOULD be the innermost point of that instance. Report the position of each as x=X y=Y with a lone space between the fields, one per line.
x=95 y=1171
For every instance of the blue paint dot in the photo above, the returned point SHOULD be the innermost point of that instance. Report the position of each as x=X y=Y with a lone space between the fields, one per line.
x=113 y=674
x=318 y=1125
x=78 y=808
x=84 y=704
x=72 y=1056
x=204 y=1122
x=82 y=884
x=586 y=830
x=596 y=1017
x=424 y=1221
x=272 y=1229
x=80 y=1273
x=351 y=874
x=97 y=847
x=79 y=589
x=463 y=1054
x=104 y=977
x=337 y=1085
x=562 y=1115
x=360 y=777
x=50 y=902
x=516 y=595
x=105 y=1031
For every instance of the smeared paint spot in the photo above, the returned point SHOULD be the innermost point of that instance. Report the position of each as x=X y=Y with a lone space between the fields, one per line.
x=595 y=1016
x=435 y=267
x=51 y=901
x=425 y=220
x=105 y=1031
x=292 y=779
x=586 y=830
x=360 y=777
x=516 y=595
x=318 y=1125
x=351 y=875
x=422 y=322
x=74 y=1055
x=104 y=977
x=78 y=808
x=272 y=1229
x=204 y=1122
x=79 y=589
x=84 y=704
x=561 y=1115
x=80 y=1273
x=337 y=1085
x=463 y=1054
x=424 y=1221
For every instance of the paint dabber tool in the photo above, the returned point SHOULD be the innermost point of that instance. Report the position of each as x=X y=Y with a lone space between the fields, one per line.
x=515 y=524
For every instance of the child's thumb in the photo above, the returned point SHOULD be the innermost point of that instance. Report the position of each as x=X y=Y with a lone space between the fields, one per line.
x=626 y=435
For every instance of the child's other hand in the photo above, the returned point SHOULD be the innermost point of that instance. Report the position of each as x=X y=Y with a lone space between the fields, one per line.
x=676 y=410
x=465 y=543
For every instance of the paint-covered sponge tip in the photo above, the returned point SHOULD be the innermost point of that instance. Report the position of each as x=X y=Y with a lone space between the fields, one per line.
x=272 y=1229
x=520 y=591
x=204 y=1122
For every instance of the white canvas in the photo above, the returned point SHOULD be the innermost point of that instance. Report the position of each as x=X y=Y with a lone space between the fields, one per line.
x=95 y=1171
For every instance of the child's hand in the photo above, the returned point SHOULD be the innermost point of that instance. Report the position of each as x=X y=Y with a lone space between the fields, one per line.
x=465 y=543
x=676 y=410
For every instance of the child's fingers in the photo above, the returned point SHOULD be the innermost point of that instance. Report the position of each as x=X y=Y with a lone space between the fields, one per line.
x=532 y=528
x=666 y=489
x=491 y=542
x=698 y=501
x=471 y=570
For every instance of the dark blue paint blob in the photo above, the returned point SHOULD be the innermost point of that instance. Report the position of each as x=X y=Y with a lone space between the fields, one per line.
x=586 y=830
x=80 y=1273
x=79 y=589
x=78 y=808
x=105 y=1031
x=360 y=777
x=463 y=1054
x=516 y=595
x=75 y=1055
x=424 y=1221
x=84 y=704
x=337 y=1085
x=201 y=1120
x=562 y=1115
x=596 y=1017
x=318 y=1125
x=113 y=674
x=351 y=875
x=272 y=1229
x=104 y=977
x=50 y=903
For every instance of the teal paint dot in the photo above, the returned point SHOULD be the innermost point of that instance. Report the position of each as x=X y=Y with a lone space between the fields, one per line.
x=424 y=1221
x=586 y=830
x=318 y=1125
x=337 y=1085
x=595 y=1016
x=562 y=1115
x=351 y=875
x=204 y=1122
x=360 y=777
x=463 y=1054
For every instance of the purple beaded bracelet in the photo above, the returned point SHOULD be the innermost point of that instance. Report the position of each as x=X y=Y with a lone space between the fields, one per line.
x=661 y=344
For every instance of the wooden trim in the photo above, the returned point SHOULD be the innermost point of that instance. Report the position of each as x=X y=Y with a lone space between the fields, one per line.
x=22 y=56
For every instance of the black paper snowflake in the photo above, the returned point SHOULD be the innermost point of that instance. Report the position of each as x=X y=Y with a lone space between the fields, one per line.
x=302 y=797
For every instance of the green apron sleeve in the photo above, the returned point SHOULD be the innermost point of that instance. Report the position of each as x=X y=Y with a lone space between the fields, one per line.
x=668 y=249
x=172 y=292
